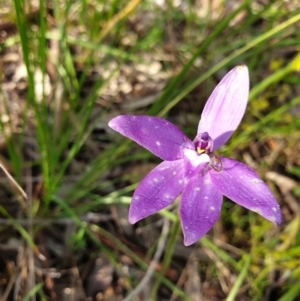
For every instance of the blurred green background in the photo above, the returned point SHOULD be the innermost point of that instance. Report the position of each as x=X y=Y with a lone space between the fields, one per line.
x=67 y=68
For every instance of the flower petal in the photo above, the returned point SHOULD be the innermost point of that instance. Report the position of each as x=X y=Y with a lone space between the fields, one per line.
x=193 y=163
x=225 y=107
x=242 y=185
x=157 y=190
x=200 y=207
x=159 y=136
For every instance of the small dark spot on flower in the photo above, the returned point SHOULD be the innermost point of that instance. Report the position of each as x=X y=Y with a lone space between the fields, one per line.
x=216 y=163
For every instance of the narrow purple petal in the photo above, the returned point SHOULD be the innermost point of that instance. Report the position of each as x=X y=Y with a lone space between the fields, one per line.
x=242 y=185
x=157 y=190
x=225 y=107
x=159 y=136
x=200 y=207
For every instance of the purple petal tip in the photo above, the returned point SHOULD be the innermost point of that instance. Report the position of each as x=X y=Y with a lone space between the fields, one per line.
x=276 y=216
x=189 y=240
x=132 y=220
x=241 y=68
x=111 y=123
x=133 y=216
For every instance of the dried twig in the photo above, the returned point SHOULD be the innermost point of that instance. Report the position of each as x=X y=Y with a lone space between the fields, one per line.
x=153 y=264
x=13 y=183
x=89 y=217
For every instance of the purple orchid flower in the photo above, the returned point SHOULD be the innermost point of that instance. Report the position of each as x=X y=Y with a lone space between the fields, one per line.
x=191 y=168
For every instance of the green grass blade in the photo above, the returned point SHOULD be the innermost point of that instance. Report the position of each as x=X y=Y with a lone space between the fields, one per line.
x=239 y=281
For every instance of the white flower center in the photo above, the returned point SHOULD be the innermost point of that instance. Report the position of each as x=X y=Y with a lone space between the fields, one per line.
x=196 y=159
